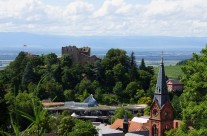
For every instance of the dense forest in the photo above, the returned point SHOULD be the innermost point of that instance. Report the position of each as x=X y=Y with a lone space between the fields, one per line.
x=116 y=79
x=48 y=76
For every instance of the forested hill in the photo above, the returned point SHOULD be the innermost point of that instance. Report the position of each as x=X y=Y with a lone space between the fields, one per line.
x=115 y=79
x=29 y=79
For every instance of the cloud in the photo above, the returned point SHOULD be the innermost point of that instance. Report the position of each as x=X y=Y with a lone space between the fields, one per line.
x=112 y=17
x=110 y=7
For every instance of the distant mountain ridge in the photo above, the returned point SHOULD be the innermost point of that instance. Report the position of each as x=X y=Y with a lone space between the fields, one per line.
x=148 y=47
x=18 y=39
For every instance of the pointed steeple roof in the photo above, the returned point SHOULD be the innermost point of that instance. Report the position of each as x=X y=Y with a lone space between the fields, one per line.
x=161 y=93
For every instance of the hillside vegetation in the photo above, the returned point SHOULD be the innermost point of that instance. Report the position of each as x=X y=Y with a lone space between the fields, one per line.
x=29 y=79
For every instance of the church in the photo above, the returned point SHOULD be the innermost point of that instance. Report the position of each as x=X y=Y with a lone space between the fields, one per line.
x=161 y=112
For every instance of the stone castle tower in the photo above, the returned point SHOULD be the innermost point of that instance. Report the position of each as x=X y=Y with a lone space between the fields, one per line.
x=79 y=55
x=161 y=110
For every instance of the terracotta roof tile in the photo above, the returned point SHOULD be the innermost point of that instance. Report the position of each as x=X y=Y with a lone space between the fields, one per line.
x=133 y=126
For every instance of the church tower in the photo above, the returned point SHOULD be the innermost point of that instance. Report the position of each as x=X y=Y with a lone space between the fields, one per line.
x=161 y=110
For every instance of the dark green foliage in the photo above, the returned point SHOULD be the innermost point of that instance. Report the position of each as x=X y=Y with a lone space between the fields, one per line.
x=184 y=62
x=109 y=99
x=3 y=108
x=22 y=102
x=145 y=79
x=28 y=75
x=114 y=80
x=50 y=89
x=48 y=77
x=131 y=89
x=69 y=95
x=176 y=103
x=83 y=128
x=14 y=72
x=119 y=113
x=192 y=101
x=147 y=111
x=142 y=65
x=66 y=61
x=65 y=126
x=145 y=100
x=50 y=59
x=133 y=60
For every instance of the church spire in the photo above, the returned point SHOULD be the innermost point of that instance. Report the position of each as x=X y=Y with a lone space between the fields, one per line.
x=161 y=92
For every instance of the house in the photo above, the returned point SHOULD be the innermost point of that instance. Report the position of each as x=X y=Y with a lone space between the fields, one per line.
x=174 y=85
x=137 y=124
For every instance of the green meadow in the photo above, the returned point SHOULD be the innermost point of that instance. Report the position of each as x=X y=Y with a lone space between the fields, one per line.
x=173 y=72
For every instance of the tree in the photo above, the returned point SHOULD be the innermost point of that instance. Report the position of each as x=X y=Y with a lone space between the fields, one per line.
x=85 y=84
x=133 y=71
x=83 y=128
x=118 y=90
x=65 y=126
x=109 y=99
x=176 y=103
x=69 y=95
x=14 y=72
x=66 y=61
x=145 y=79
x=118 y=71
x=194 y=101
x=28 y=75
x=131 y=89
x=117 y=56
x=39 y=124
x=120 y=112
x=50 y=59
x=145 y=100
x=133 y=60
x=142 y=65
x=3 y=108
x=147 y=111
x=22 y=102
x=50 y=89
x=139 y=94
x=98 y=94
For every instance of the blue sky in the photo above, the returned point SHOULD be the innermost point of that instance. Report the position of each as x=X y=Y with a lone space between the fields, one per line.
x=105 y=17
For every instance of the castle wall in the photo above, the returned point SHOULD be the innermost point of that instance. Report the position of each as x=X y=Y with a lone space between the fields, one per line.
x=79 y=55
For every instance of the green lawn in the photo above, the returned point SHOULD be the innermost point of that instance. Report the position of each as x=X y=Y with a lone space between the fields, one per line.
x=173 y=72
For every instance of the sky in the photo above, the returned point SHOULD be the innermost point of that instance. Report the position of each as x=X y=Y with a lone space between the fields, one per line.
x=182 y=18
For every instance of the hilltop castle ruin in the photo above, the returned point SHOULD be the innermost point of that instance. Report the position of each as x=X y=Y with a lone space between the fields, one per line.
x=79 y=55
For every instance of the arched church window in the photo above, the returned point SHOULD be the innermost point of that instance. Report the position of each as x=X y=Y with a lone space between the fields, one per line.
x=154 y=130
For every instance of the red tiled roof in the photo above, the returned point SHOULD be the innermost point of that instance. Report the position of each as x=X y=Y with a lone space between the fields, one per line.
x=133 y=126
x=173 y=81
x=118 y=123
